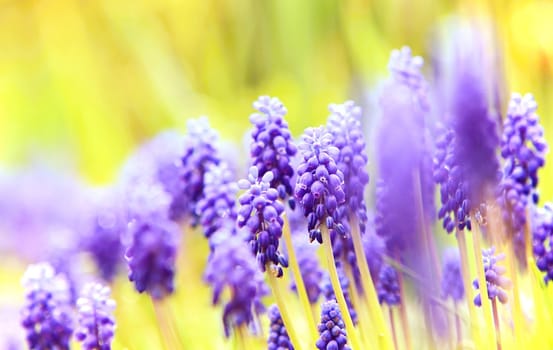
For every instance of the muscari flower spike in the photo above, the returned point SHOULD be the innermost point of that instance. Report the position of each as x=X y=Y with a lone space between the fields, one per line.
x=542 y=242
x=45 y=315
x=523 y=147
x=217 y=207
x=278 y=337
x=495 y=282
x=311 y=271
x=452 y=280
x=261 y=213
x=272 y=146
x=96 y=321
x=331 y=329
x=388 y=286
x=232 y=266
x=328 y=291
x=319 y=186
x=151 y=253
x=200 y=153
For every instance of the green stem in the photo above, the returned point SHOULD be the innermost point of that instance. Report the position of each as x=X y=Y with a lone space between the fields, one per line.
x=350 y=329
x=496 y=324
x=362 y=312
x=274 y=282
x=375 y=312
x=462 y=243
x=300 y=285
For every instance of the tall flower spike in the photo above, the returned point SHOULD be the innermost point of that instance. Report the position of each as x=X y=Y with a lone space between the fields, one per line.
x=278 y=337
x=96 y=320
x=388 y=286
x=311 y=271
x=495 y=282
x=232 y=266
x=542 y=242
x=319 y=185
x=328 y=291
x=217 y=206
x=331 y=329
x=523 y=147
x=45 y=315
x=200 y=153
x=452 y=280
x=261 y=213
x=272 y=146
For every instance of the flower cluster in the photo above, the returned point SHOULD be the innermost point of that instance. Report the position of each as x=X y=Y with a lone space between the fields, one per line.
x=45 y=315
x=272 y=146
x=495 y=281
x=388 y=286
x=217 y=207
x=331 y=329
x=542 y=242
x=96 y=320
x=278 y=337
x=261 y=212
x=319 y=187
x=523 y=147
x=452 y=280
x=232 y=266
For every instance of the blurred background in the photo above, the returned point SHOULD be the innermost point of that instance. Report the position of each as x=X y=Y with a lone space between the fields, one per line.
x=82 y=82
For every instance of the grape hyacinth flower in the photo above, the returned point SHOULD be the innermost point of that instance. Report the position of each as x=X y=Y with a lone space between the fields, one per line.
x=151 y=252
x=278 y=337
x=452 y=280
x=388 y=286
x=319 y=186
x=96 y=320
x=328 y=291
x=272 y=146
x=232 y=266
x=311 y=271
x=261 y=213
x=200 y=153
x=495 y=282
x=542 y=232
x=45 y=315
x=217 y=206
x=331 y=329
x=523 y=147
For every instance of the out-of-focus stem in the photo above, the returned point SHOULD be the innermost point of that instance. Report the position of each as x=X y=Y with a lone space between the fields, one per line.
x=496 y=324
x=458 y=329
x=462 y=243
x=166 y=329
x=375 y=312
x=300 y=285
x=403 y=311
x=275 y=282
x=483 y=286
x=335 y=280
x=362 y=311
x=392 y=324
x=241 y=335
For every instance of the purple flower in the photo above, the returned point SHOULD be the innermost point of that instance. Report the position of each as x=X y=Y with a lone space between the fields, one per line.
x=232 y=266
x=452 y=280
x=200 y=153
x=261 y=213
x=278 y=337
x=495 y=281
x=331 y=329
x=96 y=320
x=388 y=286
x=272 y=146
x=328 y=291
x=319 y=187
x=523 y=147
x=542 y=242
x=217 y=206
x=311 y=271
x=45 y=315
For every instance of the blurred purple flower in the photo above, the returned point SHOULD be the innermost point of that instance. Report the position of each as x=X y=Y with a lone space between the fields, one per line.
x=495 y=281
x=46 y=313
x=452 y=280
x=278 y=337
x=331 y=328
x=542 y=242
x=232 y=266
x=96 y=320
x=311 y=271
x=328 y=291
x=388 y=286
